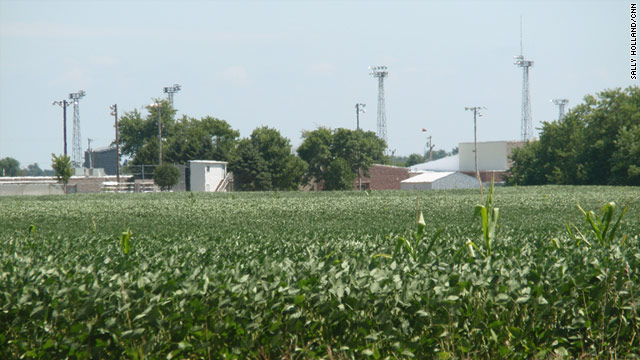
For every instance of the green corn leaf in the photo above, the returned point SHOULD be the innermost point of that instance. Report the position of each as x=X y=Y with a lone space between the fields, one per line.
x=615 y=227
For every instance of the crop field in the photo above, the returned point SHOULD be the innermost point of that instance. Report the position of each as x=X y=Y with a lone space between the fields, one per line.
x=335 y=275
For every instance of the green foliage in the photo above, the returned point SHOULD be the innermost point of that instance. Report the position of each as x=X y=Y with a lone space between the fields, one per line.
x=414 y=159
x=166 y=176
x=205 y=139
x=253 y=275
x=489 y=219
x=265 y=162
x=321 y=147
x=601 y=226
x=595 y=143
x=125 y=242
x=339 y=176
x=62 y=166
x=10 y=167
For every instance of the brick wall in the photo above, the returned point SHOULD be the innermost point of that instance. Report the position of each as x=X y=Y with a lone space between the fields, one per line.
x=383 y=177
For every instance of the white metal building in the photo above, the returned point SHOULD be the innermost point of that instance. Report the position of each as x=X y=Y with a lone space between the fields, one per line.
x=207 y=175
x=432 y=180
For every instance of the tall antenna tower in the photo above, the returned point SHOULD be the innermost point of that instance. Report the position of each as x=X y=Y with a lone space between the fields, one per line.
x=76 y=153
x=170 y=90
x=526 y=126
x=561 y=104
x=380 y=72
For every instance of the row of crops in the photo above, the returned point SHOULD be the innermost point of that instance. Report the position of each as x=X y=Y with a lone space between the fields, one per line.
x=319 y=275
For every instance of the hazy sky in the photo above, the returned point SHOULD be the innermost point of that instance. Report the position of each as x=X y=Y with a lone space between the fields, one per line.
x=298 y=65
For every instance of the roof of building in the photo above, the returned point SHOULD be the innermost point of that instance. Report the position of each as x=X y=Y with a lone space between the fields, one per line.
x=209 y=162
x=428 y=177
x=449 y=163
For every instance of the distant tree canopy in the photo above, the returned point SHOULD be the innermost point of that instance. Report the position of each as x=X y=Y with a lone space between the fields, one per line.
x=321 y=147
x=264 y=162
x=10 y=167
x=596 y=143
x=183 y=140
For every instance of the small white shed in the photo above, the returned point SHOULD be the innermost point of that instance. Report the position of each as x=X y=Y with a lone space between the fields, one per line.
x=207 y=175
x=432 y=180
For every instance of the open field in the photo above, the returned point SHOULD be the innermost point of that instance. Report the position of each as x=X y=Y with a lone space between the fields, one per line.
x=295 y=275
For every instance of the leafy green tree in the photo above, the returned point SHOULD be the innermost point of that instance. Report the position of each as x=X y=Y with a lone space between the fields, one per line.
x=339 y=175
x=62 y=166
x=322 y=146
x=33 y=170
x=205 y=139
x=593 y=144
x=250 y=171
x=10 y=167
x=414 y=159
x=137 y=133
x=166 y=176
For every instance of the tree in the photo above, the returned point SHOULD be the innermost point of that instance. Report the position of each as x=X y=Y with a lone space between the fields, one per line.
x=275 y=166
x=206 y=139
x=10 y=167
x=595 y=143
x=33 y=170
x=62 y=166
x=137 y=133
x=250 y=171
x=166 y=176
x=339 y=175
x=359 y=149
x=414 y=159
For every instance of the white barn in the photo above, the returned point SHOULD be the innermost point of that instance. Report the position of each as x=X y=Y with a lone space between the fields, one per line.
x=432 y=180
x=207 y=175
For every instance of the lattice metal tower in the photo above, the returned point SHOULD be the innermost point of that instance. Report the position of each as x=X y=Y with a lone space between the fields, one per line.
x=526 y=125
x=76 y=153
x=561 y=104
x=170 y=90
x=380 y=72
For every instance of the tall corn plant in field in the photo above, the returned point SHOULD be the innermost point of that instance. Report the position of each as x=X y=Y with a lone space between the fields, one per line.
x=601 y=226
x=489 y=219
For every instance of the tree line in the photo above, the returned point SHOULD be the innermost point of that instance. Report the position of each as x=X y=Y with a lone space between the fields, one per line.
x=595 y=143
x=263 y=161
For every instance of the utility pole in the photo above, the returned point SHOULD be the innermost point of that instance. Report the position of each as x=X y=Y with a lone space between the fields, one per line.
x=114 y=112
x=476 y=114
x=359 y=109
x=89 y=140
x=63 y=104
x=158 y=105
x=429 y=145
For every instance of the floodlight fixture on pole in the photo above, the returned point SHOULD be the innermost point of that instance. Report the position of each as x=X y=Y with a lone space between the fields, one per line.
x=114 y=112
x=360 y=108
x=170 y=90
x=476 y=114
x=429 y=145
x=76 y=154
x=159 y=107
x=380 y=72
x=63 y=104
x=561 y=104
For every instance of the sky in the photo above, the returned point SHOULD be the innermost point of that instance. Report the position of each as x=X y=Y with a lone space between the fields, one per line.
x=299 y=65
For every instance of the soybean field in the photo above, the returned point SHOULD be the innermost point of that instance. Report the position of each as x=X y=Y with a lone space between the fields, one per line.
x=540 y=272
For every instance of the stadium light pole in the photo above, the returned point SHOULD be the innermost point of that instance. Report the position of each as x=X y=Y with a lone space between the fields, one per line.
x=63 y=104
x=359 y=109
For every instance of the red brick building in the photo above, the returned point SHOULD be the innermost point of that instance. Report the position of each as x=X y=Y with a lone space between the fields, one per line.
x=383 y=177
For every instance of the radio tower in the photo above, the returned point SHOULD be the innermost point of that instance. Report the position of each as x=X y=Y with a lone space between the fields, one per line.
x=526 y=127
x=380 y=72
x=170 y=90
x=561 y=104
x=76 y=153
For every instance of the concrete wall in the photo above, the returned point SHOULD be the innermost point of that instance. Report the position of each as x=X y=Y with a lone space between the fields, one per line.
x=7 y=189
x=207 y=175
